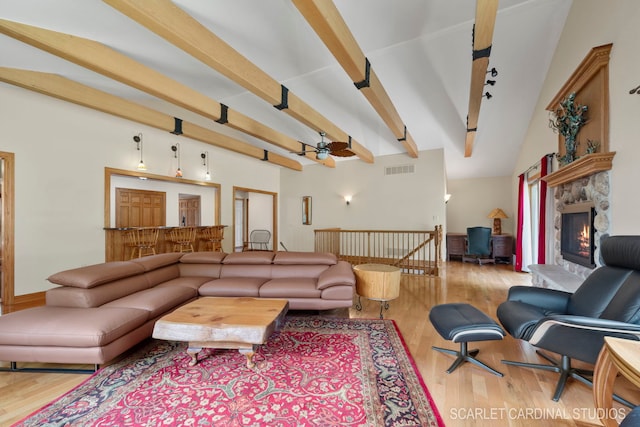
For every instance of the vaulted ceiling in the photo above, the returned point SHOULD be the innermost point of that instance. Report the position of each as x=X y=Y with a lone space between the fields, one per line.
x=221 y=66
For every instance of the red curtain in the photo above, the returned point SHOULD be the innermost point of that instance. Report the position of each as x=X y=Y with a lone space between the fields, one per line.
x=518 y=266
x=542 y=214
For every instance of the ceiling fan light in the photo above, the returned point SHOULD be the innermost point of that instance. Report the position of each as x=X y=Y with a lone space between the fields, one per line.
x=322 y=155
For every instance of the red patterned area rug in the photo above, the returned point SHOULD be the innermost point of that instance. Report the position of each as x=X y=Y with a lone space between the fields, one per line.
x=313 y=372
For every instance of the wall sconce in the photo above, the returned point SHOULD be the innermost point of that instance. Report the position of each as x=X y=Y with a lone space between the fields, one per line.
x=176 y=155
x=497 y=214
x=347 y=199
x=205 y=162
x=447 y=197
x=138 y=140
x=635 y=90
x=487 y=95
x=493 y=72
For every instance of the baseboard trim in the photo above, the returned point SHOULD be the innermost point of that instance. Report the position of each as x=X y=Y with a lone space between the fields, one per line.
x=21 y=302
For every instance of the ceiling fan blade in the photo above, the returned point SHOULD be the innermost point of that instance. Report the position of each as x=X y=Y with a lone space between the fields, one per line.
x=343 y=153
x=337 y=146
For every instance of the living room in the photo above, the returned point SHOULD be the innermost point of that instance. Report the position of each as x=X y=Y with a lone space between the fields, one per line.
x=62 y=149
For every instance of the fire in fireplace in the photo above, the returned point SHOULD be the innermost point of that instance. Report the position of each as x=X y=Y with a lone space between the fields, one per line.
x=576 y=244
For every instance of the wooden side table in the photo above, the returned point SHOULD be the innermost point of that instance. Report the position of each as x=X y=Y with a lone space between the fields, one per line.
x=455 y=245
x=617 y=356
x=377 y=282
x=503 y=247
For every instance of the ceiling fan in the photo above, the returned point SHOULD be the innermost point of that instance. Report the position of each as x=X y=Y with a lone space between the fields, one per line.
x=323 y=149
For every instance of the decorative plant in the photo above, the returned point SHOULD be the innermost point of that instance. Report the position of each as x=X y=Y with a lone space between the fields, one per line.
x=592 y=146
x=567 y=120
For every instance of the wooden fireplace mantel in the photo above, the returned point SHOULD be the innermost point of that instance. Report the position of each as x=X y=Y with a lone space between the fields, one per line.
x=584 y=166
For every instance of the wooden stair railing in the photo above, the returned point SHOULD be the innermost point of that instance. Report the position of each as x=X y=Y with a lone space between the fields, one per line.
x=415 y=252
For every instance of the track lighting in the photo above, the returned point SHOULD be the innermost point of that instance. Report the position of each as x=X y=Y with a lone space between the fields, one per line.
x=176 y=155
x=205 y=162
x=487 y=95
x=493 y=72
x=138 y=140
x=490 y=82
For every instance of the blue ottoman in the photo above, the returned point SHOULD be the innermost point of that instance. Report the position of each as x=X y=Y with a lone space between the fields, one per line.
x=463 y=323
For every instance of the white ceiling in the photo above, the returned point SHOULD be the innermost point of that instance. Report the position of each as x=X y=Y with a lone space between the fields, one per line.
x=420 y=50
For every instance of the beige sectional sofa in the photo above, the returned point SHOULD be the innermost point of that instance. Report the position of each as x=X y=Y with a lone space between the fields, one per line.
x=99 y=311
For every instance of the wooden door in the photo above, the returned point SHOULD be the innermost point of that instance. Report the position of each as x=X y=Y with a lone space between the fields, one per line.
x=189 y=211
x=140 y=208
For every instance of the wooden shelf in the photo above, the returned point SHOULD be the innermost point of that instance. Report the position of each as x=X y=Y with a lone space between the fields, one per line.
x=584 y=166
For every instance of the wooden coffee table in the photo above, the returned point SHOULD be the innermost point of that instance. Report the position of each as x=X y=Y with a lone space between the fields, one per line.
x=216 y=322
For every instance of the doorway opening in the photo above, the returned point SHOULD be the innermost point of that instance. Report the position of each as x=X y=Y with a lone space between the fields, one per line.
x=189 y=210
x=253 y=210
x=7 y=224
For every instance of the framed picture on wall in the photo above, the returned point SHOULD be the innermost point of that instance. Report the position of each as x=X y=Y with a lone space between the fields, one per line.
x=306 y=210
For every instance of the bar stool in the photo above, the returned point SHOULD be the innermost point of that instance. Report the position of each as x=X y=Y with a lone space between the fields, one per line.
x=142 y=241
x=182 y=238
x=212 y=237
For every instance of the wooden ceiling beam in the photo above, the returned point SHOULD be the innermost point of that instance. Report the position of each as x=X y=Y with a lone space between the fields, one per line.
x=103 y=60
x=325 y=19
x=68 y=90
x=179 y=28
x=486 y=11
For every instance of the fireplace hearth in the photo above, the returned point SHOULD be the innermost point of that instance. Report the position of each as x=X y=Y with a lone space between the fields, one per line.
x=577 y=234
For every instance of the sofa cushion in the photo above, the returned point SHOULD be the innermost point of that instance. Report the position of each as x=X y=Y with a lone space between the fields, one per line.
x=262 y=271
x=203 y=258
x=297 y=270
x=69 y=327
x=94 y=275
x=290 y=288
x=192 y=282
x=250 y=257
x=339 y=292
x=235 y=287
x=162 y=274
x=156 y=301
x=68 y=296
x=212 y=271
x=313 y=258
x=152 y=262
x=341 y=273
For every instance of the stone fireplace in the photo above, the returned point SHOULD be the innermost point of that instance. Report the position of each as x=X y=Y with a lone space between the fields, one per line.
x=581 y=219
x=581 y=187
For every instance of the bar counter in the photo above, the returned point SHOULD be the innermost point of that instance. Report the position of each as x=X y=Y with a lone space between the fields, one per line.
x=116 y=248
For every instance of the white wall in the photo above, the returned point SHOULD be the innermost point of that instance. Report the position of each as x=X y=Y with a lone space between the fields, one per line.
x=473 y=199
x=593 y=23
x=61 y=151
x=392 y=202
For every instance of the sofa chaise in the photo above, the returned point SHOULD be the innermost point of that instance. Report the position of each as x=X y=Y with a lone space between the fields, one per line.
x=99 y=311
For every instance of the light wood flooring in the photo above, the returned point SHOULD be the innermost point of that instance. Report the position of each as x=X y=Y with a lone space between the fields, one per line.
x=470 y=396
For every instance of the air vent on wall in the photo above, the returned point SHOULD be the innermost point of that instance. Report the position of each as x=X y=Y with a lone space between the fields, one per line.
x=399 y=169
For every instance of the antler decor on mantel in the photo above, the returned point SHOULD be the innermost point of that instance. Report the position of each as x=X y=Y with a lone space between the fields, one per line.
x=567 y=120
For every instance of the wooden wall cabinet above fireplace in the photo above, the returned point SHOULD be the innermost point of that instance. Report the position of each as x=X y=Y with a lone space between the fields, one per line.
x=590 y=83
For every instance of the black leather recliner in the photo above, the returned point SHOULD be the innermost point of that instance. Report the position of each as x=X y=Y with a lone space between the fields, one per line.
x=574 y=325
